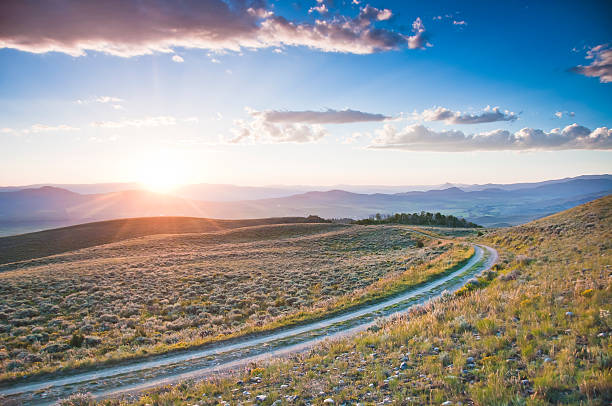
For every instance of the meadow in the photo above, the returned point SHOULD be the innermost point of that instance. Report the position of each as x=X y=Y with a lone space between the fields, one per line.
x=168 y=292
x=535 y=331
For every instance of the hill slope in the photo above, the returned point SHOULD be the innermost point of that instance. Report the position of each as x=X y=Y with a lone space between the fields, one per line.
x=536 y=332
x=50 y=242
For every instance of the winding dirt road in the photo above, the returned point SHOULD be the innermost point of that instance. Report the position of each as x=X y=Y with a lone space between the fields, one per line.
x=191 y=364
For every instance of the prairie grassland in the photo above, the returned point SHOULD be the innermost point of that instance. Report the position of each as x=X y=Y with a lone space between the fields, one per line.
x=536 y=331
x=160 y=293
x=59 y=240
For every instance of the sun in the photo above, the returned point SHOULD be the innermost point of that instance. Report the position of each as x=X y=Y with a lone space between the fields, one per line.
x=161 y=172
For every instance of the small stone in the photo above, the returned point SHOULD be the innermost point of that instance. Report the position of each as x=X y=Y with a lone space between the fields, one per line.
x=403 y=366
x=261 y=398
x=329 y=401
x=569 y=314
x=470 y=360
x=547 y=360
x=447 y=403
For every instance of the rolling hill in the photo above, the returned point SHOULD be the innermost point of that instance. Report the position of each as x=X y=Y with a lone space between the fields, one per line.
x=55 y=241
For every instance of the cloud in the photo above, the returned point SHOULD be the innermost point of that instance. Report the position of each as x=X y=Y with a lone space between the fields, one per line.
x=156 y=121
x=132 y=27
x=177 y=59
x=488 y=115
x=419 y=138
x=600 y=67
x=560 y=114
x=328 y=116
x=108 y=99
x=260 y=129
x=321 y=9
x=39 y=128
x=101 y=99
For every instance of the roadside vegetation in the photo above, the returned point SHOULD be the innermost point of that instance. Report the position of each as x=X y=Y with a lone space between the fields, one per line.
x=162 y=293
x=419 y=219
x=534 y=331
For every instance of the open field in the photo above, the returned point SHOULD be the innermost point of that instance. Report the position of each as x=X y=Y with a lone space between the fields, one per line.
x=51 y=242
x=537 y=331
x=160 y=293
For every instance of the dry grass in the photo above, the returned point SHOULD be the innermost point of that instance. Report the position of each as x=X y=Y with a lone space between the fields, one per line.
x=538 y=334
x=50 y=242
x=161 y=293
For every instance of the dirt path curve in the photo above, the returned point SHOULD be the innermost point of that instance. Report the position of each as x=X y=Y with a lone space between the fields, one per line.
x=143 y=374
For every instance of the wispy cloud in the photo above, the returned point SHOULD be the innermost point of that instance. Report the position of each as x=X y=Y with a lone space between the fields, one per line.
x=488 y=115
x=177 y=58
x=153 y=121
x=132 y=27
x=321 y=8
x=419 y=138
x=100 y=99
x=601 y=65
x=560 y=114
x=39 y=128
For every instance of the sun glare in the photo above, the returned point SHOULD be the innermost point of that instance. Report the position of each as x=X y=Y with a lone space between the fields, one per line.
x=162 y=172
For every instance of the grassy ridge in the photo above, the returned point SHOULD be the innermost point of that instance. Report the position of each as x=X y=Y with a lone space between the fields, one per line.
x=50 y=242
x=537 y=333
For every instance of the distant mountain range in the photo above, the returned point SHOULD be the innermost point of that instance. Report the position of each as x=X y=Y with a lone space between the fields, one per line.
x=228 y=193
x=35 y=208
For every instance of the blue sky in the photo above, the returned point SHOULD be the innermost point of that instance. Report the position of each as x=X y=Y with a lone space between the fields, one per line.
x=125 y=109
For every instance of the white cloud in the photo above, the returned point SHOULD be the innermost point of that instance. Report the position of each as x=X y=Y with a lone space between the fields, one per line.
x=156 y=121
x=261 y=130
x=419 y=138
x=112 y=100
x=601 y=67
x=321 y=8
x=177 y=59
x=560 y=114
x=108 y=99
x=132 y=27
x=488 y=115
x=38 y=128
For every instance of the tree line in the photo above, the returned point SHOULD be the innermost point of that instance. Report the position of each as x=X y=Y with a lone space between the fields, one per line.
x=419 y=219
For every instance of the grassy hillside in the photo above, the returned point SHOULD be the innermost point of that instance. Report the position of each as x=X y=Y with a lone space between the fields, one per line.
x=536 y=332
x=162 y=293
x=50 y=242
